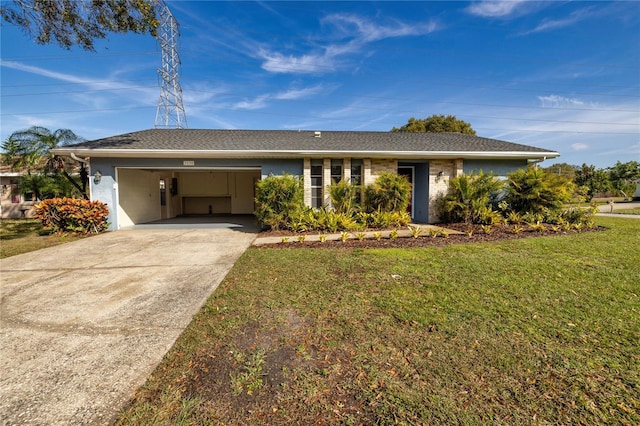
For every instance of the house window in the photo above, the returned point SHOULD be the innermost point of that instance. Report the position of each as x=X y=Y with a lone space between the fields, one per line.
x=356 y=178
x=28 y=196
x=336 y=170
x=356 y=172
x=316 y=183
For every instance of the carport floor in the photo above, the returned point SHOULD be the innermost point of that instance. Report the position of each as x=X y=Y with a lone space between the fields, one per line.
x=245 y=223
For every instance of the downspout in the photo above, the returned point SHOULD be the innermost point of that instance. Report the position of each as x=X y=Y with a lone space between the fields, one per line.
x=84 y=174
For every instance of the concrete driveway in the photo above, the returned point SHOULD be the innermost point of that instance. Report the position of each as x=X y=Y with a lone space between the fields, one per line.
x=83 y=324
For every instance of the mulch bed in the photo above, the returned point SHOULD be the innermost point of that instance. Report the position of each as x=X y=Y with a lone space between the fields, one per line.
x=498 y=233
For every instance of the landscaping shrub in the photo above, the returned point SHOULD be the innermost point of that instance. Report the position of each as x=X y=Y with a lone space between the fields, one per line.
x=470 y=199
x=389 y=193
x=73 y=215
x=384 y=219
x=343 y=197
x=279 y=199
x=576 y=215
x=534 y=190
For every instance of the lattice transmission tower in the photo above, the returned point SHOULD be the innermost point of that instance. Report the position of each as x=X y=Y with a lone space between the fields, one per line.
x=170 y=112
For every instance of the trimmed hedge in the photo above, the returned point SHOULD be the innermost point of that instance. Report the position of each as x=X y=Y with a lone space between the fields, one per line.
x=73 y=215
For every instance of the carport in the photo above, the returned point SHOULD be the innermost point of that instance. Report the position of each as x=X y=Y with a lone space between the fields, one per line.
x=149 y=195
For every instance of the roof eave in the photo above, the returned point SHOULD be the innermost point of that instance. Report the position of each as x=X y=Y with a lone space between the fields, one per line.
x=168 y=153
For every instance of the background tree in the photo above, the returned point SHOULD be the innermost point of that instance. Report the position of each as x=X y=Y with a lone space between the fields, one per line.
x=563 y=169
x=436 y=124
x=595 y=180
x=75 y=22
x=30 y=151
x=622 y=176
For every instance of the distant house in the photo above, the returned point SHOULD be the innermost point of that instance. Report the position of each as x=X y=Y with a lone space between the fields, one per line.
x=13 y=204
x=162 y=173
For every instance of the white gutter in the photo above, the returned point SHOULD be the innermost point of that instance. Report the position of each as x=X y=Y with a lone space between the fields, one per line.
x=166 y=153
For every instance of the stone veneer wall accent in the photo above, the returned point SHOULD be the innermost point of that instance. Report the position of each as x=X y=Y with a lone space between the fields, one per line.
x=438 y=186
x=366 y=172
x=458 y=167
x=306 y=181
x=380 y=166
x=326 y=181
x=346 y=169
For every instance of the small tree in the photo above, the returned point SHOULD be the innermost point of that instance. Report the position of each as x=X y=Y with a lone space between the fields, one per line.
x=389 y=193
x=533 y=190
x=30 y=151
x=279 y=199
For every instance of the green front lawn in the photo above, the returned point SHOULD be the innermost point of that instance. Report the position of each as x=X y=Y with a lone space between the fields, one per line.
x=542 y=330
x=19 y=236
x=627 y=211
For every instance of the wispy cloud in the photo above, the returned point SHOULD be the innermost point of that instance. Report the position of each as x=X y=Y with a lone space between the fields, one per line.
x=367 y=31
x=251 y=104
x=578 y=146
x=498 y=9
x=101 y=85
x=317 y=63
x=201 y=92
x=293 y=94
x=354 y=32
x=69 y=78
x=559 y=101
x=24 y=121
x=261 y=101
x=554 y=24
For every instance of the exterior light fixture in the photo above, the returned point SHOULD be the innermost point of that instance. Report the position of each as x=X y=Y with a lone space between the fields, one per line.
x=97 y=177
x=439 y=176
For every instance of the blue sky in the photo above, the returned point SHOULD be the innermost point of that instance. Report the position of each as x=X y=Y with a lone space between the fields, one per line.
x=561 y=75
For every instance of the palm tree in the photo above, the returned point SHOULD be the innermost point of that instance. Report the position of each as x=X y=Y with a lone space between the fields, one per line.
x=30 y=150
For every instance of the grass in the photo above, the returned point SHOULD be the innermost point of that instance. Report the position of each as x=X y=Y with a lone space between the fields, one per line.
x=542 y=330
x=635 y=210
x=19 y=236
x=406 y=336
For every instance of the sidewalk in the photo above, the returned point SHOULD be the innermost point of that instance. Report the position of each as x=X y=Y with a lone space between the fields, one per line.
x=605 y=210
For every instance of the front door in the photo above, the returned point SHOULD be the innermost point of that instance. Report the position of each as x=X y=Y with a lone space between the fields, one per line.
x=408 y=172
